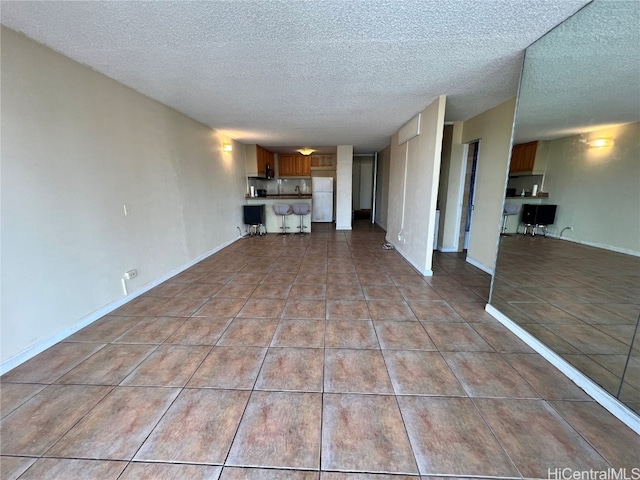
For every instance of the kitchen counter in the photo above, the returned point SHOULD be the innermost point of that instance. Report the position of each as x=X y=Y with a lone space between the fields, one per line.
x=527 y=197
x=284 y=196
x=273 y=222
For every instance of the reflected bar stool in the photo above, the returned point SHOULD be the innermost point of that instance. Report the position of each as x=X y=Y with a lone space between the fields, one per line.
x=283 y=210
x=538 y=216
x=511 y=209
x=301 y=209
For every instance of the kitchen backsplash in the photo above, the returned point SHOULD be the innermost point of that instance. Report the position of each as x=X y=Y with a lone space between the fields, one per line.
x=527 y=182
x=288 y=185
x=281 y=185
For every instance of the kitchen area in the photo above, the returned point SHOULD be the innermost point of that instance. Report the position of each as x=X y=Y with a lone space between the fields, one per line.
x=303 y=180
x=526 y=201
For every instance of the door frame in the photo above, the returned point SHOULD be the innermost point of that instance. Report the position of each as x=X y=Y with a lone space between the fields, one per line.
x=374 y=181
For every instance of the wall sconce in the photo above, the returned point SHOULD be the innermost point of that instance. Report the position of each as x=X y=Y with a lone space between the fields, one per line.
x=227 y=147
x=306 y=151
x=600 y=142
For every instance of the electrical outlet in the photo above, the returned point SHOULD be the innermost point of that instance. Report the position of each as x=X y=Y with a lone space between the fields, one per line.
x=128 y=275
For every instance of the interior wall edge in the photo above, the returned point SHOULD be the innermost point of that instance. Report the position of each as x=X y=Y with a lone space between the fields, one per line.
x=480 y=265
x=448 y=249
x=493 y=130
x=601 y=396
x=425 y=272
x=413 y=188
x=451 y=206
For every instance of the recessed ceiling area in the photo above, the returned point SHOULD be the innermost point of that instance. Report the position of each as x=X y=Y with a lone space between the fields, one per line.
x=301 y=73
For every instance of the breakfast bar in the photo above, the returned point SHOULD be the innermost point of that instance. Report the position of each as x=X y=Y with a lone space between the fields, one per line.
x=273 y=222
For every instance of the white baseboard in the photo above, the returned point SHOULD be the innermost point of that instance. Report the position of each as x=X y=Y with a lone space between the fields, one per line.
x=447 y=249
x=611 y=248
x=479 y=265
x=604 y=398
x=343 y=227
x=40 y=347
x=421 y=270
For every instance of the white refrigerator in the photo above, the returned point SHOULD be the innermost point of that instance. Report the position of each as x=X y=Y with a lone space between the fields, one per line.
x=322 y=199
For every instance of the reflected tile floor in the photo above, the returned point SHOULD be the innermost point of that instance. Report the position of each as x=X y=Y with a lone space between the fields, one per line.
x=318 y=357
x=582 y=302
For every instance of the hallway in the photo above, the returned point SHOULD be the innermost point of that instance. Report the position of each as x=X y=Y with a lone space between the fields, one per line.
x=314 y=357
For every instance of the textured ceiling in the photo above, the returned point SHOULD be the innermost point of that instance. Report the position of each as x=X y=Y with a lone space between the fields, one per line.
x=584 y=75
x=301 y=73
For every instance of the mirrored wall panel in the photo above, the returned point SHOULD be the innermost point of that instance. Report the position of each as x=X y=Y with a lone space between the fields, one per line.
x=568 y=267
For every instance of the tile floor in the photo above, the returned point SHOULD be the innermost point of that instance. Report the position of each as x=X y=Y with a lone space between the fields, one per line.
x=581 y=301
x=318 y=357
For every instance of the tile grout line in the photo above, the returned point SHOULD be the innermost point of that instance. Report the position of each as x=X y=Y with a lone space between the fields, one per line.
x=493 y=433
x=551 y=405
x=348 y=244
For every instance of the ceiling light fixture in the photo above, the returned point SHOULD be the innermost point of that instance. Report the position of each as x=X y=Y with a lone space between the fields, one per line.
x=227 y=147
x=600 y=142
x=306 y=151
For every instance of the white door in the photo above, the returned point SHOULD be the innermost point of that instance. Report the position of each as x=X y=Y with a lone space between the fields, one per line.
x=366 y=185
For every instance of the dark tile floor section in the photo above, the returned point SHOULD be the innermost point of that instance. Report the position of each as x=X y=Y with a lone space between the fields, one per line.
x=318 y=357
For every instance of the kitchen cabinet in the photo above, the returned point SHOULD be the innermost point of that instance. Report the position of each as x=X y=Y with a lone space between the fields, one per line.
x=286 y=165
x=257 y=159
x=294 y=165
x=529 y=159
x=523 y=157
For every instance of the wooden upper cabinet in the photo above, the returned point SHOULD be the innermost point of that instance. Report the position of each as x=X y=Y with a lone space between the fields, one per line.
x=257 y=159
x=303 y=165
x=286 y=164
x=264 y=158
x=294 y=165
x=523 y=157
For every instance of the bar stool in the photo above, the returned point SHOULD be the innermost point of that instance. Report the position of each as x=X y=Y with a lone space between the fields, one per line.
x=283 y=210
x=301 y=209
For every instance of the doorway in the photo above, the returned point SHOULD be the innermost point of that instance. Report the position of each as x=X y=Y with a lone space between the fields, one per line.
x=471 y=166
x=362 y=185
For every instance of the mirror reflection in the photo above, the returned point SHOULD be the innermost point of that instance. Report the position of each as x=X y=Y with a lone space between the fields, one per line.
x=568 y=267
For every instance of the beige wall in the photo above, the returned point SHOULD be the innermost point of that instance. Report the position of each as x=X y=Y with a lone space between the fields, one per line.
x=597 y=190
x=382 y=186
x=493 y=128
x=451 y=188
x=443 y=185
x=413 y=189
x=76 y=147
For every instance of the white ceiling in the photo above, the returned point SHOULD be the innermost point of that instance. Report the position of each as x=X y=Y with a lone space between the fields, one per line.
x=301 y=73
